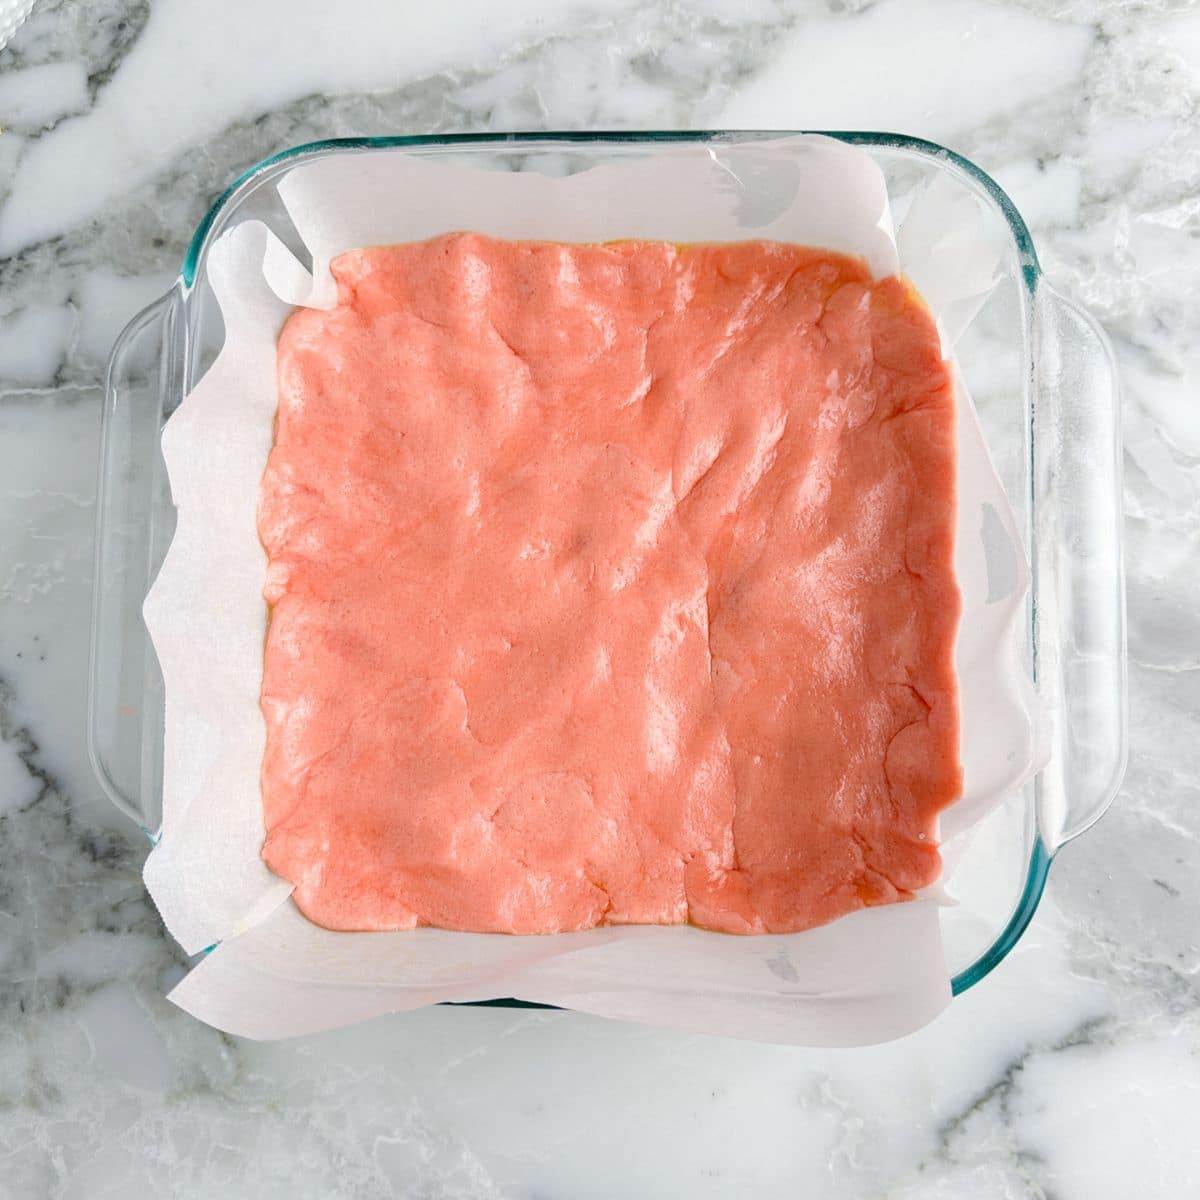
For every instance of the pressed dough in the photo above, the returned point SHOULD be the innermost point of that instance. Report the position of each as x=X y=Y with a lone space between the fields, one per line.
x=608 y=584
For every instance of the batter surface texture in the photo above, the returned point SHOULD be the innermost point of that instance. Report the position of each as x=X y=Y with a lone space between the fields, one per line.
x=608 y=584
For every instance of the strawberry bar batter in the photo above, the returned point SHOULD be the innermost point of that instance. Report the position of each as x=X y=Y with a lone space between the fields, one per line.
x=608 y=584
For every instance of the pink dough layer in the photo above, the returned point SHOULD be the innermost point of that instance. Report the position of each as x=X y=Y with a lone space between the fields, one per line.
x=608 y=584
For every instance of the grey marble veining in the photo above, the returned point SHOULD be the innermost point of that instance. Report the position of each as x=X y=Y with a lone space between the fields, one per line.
x=1072 y=1072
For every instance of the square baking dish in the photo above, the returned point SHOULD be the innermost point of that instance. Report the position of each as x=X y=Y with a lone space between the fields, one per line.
x=1037 y=367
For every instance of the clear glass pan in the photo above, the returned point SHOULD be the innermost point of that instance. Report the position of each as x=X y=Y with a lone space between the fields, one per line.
x=1037 y=366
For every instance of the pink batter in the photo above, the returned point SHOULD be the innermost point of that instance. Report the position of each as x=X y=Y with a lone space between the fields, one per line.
x=609 y=584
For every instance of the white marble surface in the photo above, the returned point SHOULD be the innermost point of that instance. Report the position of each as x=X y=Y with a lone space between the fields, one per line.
x=1073 y=1072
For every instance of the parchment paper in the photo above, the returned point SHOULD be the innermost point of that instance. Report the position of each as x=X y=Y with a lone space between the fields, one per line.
x=870 y=976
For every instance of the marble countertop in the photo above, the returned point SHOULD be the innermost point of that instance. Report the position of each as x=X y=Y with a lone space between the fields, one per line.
x=1073 y=1072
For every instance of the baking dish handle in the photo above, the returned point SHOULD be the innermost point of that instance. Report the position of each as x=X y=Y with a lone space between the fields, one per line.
x=133 y=528
x=1078 y=595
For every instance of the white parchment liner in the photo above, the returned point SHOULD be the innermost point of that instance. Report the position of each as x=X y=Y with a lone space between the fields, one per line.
x=870 y=976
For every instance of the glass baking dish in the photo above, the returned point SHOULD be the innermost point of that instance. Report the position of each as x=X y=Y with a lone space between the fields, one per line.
x=1037 y=366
